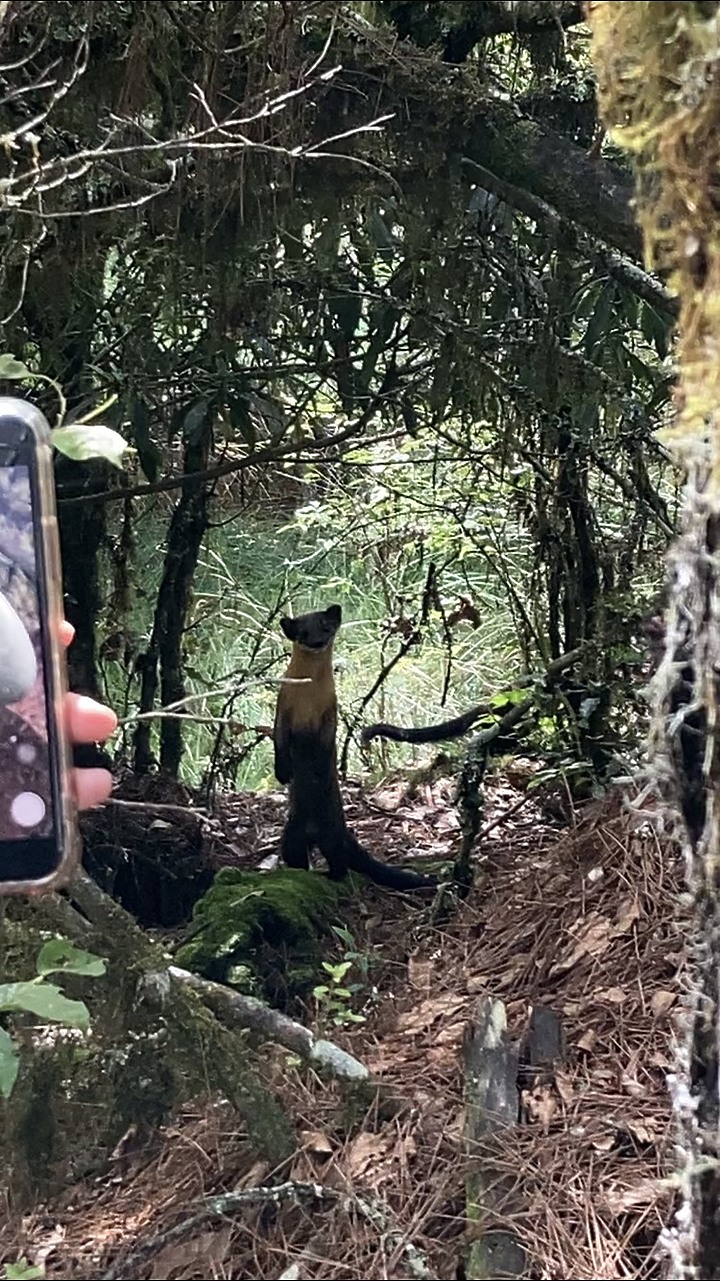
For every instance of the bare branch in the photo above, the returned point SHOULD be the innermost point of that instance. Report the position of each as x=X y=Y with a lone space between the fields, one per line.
x=9 y=141
x=216 y=1207
x=41 y=82
x=28 y=250
x=23 y=186
x=545 y=215
x=270 y=454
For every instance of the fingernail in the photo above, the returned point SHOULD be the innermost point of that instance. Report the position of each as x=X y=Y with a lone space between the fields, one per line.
x=85 y=704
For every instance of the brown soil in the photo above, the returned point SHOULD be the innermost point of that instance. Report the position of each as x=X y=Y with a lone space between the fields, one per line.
x=585 y=920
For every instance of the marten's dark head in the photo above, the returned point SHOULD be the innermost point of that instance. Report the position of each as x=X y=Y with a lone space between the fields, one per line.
x=313 y=631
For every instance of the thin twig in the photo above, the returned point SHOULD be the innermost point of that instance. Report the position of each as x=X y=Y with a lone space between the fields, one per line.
x=172 y=710
x=413 y=639
x=218 y=1207
x=228 y=1203
x=503 y=818
x=166 y=808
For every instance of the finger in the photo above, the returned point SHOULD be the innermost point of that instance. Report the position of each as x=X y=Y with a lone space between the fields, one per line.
x=92 y=787
x=67 y=633
x=88 y=721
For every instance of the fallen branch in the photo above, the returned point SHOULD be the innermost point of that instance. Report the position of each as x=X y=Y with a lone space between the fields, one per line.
x=504 y=817
x=375 y=1214
x=235 y=1009
x=197 y=811
x=219 y=1207
x=193 y=1029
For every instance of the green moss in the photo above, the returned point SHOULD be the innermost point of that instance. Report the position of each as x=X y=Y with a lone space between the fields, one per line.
x=264 y=933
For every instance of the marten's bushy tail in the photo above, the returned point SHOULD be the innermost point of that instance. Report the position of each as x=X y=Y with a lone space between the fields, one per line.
x=391 y=878
x=428 y=733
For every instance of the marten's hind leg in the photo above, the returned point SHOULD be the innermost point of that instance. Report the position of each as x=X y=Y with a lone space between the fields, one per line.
x=332 y=844
x=295 y=846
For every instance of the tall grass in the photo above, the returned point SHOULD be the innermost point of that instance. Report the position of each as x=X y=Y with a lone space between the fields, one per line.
x=250 y=566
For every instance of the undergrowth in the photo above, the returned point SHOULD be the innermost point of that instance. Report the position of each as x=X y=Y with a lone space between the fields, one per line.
x=252 y=568
x=408 y=546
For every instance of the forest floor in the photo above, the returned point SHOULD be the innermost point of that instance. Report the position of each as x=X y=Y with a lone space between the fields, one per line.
x=584 y=918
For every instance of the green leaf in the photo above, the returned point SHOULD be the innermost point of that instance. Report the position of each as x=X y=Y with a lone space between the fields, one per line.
x=343 y=934
x=585 y=299
x=293 y=246
x=81 y=441
x=600 y=322
x=638 y=368
x=337 y=972
x=13 y=369
x=347 y=310
x=589 y=420
x=327 y=243
x=148 y=453
x=508 y=696
x=629 y=304
x=441 y=386
x=380 y=233
x=46 y=1000
x=500 y=302
x=61 y=955
x=9 y=1063
x=194 y=420
x=655 y=328
x=381 y=325
x=22 y=1271
x=241 y=420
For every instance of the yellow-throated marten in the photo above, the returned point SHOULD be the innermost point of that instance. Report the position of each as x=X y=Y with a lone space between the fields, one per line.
x=306 y=758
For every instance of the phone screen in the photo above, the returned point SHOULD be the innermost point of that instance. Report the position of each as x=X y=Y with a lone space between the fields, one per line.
x=30 y=815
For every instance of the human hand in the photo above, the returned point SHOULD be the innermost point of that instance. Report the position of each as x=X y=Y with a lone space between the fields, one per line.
x=88 y=722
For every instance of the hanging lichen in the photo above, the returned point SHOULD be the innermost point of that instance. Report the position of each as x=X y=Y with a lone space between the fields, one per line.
x=659 y=86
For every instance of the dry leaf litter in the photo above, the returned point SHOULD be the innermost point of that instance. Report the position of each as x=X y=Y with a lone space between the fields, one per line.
x=585 y=919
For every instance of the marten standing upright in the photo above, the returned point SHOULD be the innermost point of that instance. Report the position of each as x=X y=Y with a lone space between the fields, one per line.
x=306 y=758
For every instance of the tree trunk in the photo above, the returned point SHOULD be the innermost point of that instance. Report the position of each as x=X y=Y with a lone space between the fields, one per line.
x=161 y=664
x=446 y=121
x=82 y=534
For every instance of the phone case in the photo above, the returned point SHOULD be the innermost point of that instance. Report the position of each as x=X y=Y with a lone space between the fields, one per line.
x=51 y=677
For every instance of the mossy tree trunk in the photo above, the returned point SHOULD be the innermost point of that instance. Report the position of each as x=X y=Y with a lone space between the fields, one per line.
x=153 y=1044
x=643 y=51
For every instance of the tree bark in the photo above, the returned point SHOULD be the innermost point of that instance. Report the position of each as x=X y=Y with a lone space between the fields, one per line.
x=491 y=1105
x=162 y=661
x=82 y=533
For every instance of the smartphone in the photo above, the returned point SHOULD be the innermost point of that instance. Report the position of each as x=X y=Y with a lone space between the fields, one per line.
x=39 y=839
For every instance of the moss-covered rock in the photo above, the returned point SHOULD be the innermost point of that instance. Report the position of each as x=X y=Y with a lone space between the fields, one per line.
x=264 y=933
